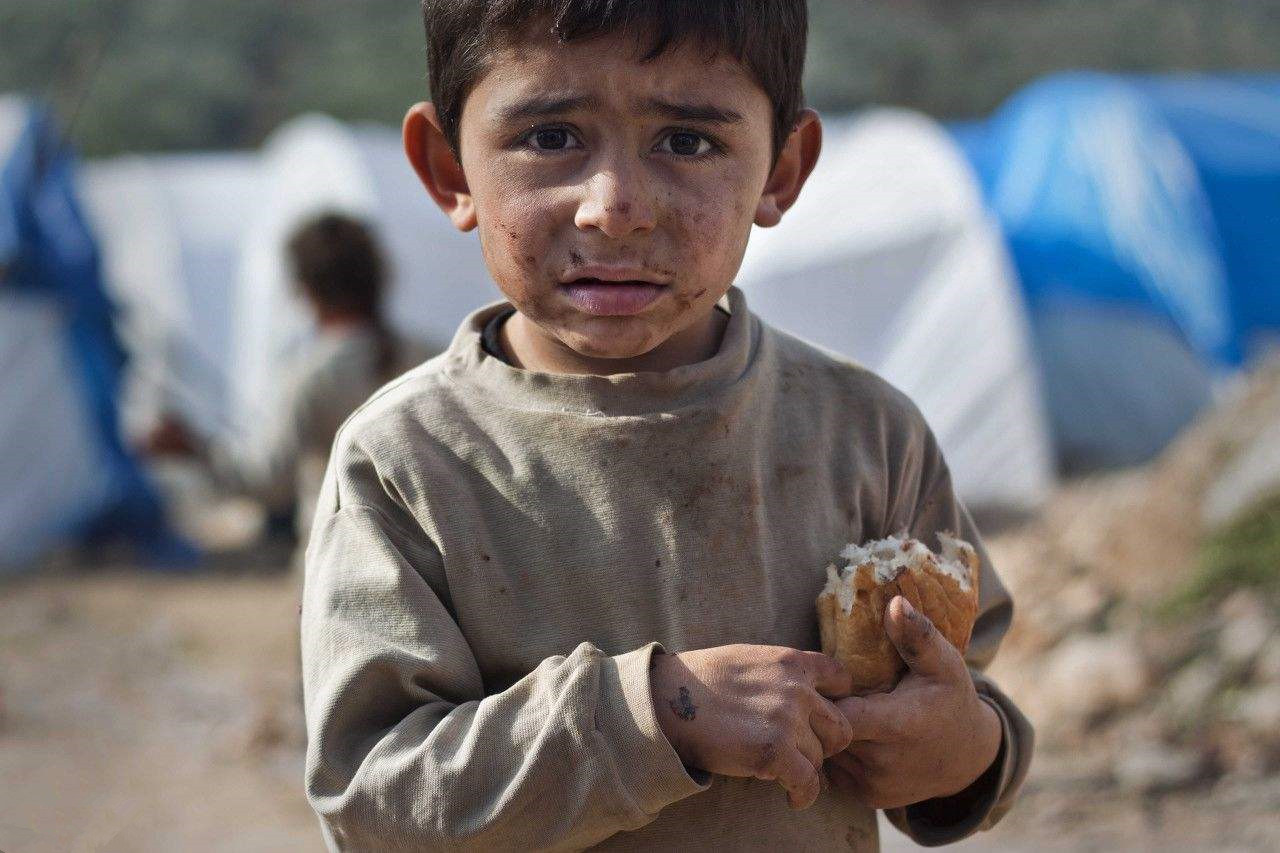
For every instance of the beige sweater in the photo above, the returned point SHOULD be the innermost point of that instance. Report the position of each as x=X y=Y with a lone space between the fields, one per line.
x=496 y=553
x=282 y=463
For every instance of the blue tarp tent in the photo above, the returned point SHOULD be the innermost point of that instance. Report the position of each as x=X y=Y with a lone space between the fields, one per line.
x=1230 y=127
x=65 y=471
x=1120 y=258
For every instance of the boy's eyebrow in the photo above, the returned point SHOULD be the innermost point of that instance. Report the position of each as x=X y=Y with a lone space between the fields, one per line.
x=541 y=106
x=692 y=112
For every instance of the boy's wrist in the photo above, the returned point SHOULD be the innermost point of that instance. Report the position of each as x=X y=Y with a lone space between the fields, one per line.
x=989 y=735
x=942 y=820
x=661 y=667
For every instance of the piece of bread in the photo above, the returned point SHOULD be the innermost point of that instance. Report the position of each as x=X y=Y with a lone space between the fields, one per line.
x=852 y=606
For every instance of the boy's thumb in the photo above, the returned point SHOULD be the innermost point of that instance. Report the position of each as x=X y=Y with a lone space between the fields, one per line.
x=916 y=638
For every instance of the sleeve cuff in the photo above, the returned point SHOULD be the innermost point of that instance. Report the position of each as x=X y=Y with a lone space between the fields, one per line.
x=946 y=820
x=648 y=769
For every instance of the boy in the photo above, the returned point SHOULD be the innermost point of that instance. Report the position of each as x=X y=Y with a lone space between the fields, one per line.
x=340 y=272
x=561 y=586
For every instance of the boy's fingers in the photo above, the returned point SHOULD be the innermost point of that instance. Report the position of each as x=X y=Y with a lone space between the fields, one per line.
x=869 y=717
x=831 y=727
x=798 y=775
x=811 y=749
x=918 y=640
x=809 y=795
x=827 y=675
x=843 y=779
x=847 y=774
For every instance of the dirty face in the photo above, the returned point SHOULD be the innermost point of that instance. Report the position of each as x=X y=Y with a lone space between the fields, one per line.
x=614 y=197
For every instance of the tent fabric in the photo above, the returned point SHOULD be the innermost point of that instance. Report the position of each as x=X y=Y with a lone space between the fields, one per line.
x=172 y=229
x=890 y=259
x=65 y=469
x=1229 y=125
x=49 y=449
x=1119 y=259
x=316 y=163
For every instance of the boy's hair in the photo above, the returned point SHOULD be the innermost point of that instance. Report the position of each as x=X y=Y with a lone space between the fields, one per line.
x=768 y=37
x=336 y=261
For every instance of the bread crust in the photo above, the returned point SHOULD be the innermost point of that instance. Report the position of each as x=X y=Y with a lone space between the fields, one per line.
x=857 y=637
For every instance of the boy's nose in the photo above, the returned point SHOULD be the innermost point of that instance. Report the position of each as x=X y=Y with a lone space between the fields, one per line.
x=617 y=203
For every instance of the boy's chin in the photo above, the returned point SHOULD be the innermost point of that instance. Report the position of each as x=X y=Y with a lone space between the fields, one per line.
x=602 y=346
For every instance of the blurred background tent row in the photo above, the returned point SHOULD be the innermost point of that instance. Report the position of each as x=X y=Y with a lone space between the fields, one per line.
x=1060 y=288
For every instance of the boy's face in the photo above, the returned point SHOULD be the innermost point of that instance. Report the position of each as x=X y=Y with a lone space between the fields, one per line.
x=614 y=198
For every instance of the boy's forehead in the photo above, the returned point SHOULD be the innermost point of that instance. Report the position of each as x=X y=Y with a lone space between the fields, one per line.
x=610 y=73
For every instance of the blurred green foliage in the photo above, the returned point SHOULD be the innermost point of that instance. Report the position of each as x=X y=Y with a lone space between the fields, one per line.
x=1244 y=553
x=182 y=74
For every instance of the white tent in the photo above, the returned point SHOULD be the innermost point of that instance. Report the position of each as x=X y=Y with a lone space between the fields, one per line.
x=314 y=164
x=50 y=454
x=172 y=229
x=889 y=259
x=65 y=471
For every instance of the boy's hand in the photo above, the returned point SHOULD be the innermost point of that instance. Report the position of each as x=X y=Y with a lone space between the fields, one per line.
x=931 y=737
x=754 y=711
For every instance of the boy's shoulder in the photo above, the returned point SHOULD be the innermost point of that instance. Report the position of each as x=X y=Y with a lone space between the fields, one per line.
x=402 y=406
x=829 y=381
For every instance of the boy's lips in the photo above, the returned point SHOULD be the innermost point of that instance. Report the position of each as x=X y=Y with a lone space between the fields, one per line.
x=612 y=298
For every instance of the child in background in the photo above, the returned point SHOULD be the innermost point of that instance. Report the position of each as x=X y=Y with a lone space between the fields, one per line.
x=560 y=590
x=340 y=271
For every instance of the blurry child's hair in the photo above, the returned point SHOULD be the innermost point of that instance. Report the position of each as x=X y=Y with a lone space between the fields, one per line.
x=337 y=262
x=768 y=37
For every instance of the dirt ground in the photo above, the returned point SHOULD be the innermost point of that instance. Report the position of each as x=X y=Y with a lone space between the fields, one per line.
x=144 y=713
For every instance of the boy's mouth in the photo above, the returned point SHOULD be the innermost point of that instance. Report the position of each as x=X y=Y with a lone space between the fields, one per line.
x=612 y=298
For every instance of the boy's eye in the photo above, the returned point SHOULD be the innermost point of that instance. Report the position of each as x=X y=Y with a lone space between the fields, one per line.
x=686 y=144
x=552 y=139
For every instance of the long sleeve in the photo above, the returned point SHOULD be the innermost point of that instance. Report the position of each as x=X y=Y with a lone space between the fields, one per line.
x=405 y=749
x=264 y=466
x=983 y=804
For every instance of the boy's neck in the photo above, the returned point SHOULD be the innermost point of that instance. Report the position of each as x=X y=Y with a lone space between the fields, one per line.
x=529 y=348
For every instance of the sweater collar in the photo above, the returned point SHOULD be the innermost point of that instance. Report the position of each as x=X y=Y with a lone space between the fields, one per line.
x=624 y=394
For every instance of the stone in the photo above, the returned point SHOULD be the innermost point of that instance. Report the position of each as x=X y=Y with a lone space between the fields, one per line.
x=1253 y=474
x=1150 y=767
x=1089 y=676
x=1246 y=628
x=1240 y=753
x=1073 y=607
x=1266 y=668
x=1259 y=710
x=1192 y=690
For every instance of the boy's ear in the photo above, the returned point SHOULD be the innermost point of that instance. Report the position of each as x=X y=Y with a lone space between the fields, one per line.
x=793 y=168
x=439 y=170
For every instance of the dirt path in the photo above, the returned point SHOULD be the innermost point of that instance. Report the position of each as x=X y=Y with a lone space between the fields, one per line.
x=151 y=714
x=142 y=714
